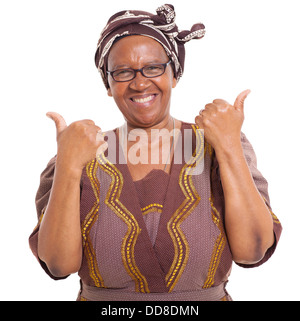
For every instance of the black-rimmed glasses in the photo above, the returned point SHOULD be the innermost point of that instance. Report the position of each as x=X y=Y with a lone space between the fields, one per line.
x=149 y=71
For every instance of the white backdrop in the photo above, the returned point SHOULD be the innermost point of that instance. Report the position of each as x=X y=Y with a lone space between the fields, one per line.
x=47 y=50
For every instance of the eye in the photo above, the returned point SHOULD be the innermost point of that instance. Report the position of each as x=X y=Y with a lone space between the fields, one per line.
x=153 y=70
x=154 y=67
x=123 y=73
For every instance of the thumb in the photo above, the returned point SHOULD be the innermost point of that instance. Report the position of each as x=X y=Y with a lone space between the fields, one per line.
x=239 y=102
x=60 y=123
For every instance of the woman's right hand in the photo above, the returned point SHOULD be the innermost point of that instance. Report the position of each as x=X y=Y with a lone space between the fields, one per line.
x=78 y=143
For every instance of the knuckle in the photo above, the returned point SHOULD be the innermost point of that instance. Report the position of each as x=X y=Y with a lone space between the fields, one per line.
x=198 y=121
x=220 y=102
x=206 y=121
x=91 y=137
x=76 y=124
x=79 y=127
x=89 y=122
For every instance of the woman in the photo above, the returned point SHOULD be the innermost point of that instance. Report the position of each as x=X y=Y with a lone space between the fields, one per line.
x=138 y=229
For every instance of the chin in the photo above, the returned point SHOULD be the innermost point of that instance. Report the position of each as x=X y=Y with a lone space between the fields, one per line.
x=144 y=121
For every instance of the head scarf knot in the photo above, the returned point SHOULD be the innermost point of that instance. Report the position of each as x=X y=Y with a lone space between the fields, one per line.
x=160 y=27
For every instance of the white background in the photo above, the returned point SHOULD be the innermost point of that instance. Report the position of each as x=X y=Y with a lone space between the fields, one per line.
x=47 y=51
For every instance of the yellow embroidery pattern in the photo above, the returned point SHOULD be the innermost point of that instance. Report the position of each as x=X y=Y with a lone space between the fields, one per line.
x=191 y=200
x=208 y=148
x=152 y=208
x=87 y=224
x=40 y=219
x=218 y=247
x=129 y=241
x=275 y=219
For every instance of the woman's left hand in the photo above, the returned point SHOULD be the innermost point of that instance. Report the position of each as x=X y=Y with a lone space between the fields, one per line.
x=248 y=223
x=222 y=122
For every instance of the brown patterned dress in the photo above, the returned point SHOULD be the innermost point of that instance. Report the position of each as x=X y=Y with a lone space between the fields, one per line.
x=159 y=238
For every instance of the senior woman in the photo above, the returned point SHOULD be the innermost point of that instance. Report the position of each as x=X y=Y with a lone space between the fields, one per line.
x=144 y=230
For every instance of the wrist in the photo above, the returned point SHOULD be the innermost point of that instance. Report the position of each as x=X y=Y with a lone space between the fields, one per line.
x=231 y=150
x=68 y=169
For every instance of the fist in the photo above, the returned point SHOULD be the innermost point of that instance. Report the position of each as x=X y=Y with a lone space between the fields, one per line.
x=222 y=122
x=78 y=143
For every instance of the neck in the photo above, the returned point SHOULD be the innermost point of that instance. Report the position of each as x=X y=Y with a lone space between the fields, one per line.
x=146 y=148
x=166 y=123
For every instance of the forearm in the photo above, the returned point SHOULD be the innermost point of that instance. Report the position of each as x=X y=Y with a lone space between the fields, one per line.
x=60 y=244
x=248 y=222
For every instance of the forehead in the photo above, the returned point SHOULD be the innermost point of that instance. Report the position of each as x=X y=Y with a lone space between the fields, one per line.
x=135 y=49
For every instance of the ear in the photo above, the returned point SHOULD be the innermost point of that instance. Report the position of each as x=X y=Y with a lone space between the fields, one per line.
x=174 y=83
x=109 y=93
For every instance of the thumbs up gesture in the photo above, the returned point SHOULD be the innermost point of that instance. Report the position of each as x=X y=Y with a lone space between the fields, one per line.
x=78 y=143
x=222 y=122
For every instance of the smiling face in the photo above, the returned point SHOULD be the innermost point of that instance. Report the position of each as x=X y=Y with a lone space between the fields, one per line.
x=144 y=102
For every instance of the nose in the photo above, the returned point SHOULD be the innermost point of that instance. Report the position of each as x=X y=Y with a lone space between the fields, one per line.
x=140 y=83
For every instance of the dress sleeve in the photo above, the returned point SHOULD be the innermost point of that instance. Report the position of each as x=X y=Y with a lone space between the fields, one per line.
x=41 y=201
x=262 y=186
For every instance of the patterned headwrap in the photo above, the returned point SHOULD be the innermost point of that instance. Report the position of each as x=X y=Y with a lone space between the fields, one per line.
x=160 y=27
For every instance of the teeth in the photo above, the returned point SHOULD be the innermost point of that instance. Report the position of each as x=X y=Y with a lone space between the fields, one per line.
x=143 y=100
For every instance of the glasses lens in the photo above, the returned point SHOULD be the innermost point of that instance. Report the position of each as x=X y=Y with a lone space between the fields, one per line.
x=153 y=70
x=123 y=74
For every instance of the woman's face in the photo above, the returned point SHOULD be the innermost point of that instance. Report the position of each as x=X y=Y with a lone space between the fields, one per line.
x=144 y=102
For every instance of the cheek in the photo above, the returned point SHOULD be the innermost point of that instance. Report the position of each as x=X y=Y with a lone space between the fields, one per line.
x=171 y=79
x=167 y=82
x=115 y=90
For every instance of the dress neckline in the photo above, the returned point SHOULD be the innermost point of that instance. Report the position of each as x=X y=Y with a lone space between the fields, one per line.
x=154 y=170
x=152 y=174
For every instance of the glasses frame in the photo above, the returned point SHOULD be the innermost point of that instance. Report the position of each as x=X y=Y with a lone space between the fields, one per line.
x=141 y=70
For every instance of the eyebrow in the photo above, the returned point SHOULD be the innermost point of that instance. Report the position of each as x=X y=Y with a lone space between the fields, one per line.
x=120 y=66
x=124 y=66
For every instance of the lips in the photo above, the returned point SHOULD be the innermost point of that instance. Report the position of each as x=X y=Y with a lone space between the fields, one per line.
x=143 y=100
